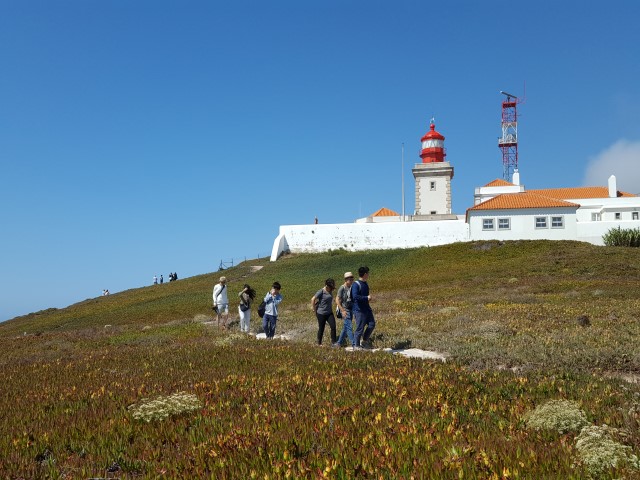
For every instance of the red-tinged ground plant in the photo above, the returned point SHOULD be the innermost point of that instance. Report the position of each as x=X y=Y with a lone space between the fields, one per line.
x=272 y=409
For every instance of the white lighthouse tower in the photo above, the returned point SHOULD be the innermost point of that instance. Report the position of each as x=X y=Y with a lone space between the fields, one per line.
x=433 y=179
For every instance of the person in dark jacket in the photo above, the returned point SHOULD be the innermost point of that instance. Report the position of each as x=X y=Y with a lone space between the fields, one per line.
x=365 y=323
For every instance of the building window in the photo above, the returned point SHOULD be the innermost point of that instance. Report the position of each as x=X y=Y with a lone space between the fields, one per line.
x=634 y=215
x=618 y=216
x=541 y=222
x=557 y=222
x=504 y=223
x=433 y=212
x=432 y=186
x=596 y=217
x=487 y=224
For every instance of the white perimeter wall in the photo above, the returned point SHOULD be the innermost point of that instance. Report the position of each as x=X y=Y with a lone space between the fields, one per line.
x=367 y=236
x=592 y=231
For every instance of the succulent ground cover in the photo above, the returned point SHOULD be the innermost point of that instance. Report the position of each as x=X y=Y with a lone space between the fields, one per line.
x=234 y=407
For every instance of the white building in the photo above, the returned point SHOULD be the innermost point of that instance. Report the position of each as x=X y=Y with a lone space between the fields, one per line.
x=578 y=213
x=501 y=211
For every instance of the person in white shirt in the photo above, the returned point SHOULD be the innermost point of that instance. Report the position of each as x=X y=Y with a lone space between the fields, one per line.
x=221 y=301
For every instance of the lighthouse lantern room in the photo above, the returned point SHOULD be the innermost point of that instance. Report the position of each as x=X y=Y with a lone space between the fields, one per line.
x=433 y=178
x=432 y=146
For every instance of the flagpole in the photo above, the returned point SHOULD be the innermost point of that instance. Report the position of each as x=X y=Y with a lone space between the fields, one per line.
x=403 y=182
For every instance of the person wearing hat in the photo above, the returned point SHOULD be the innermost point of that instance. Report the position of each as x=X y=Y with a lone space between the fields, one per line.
x=221 y=301
x=343 y=299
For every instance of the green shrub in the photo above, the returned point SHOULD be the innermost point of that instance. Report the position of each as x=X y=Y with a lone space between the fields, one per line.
x=600 y=453
x=617 y=237
x=560 y=415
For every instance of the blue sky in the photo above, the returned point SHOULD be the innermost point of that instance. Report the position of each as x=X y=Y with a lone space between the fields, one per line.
x=145 y=137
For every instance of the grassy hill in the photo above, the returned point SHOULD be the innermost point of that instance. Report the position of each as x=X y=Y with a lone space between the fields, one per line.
x=523 y=323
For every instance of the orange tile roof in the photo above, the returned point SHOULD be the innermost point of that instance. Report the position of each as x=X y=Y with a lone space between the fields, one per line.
x=508 y=201
x=578 y=192
x=498 y=182
x=385 y=212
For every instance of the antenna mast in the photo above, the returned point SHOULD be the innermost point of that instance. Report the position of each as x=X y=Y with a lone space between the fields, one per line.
x=508 y=143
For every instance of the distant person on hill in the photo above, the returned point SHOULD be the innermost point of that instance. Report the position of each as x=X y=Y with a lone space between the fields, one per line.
x=161 y=279
x=272 y=300
x=343 y=299
x=322 y=305
x=247 y=295
x=365 y=323
x=155 y=280
x=175 y=275
x=221 y=301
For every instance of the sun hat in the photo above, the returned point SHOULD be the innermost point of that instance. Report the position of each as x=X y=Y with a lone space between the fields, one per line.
x=348 y=274
x=223 y=279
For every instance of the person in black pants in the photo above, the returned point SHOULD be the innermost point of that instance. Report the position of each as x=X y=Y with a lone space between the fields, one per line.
x=322 y=304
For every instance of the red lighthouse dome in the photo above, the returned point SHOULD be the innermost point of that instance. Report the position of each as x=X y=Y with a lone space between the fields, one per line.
x=432 y=146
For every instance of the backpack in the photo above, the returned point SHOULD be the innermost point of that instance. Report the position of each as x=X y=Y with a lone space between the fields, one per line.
x=261 y=308
x=348 y=303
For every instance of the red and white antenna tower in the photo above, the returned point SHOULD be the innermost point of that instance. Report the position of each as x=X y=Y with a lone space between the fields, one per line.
x=508 y=143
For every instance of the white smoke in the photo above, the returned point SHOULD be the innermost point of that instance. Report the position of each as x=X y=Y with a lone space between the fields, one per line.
x=621 y=159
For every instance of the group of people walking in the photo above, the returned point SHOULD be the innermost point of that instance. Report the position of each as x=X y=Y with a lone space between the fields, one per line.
x=172 y=277
x=352 y=300
x=268 y=310
x=352 y=305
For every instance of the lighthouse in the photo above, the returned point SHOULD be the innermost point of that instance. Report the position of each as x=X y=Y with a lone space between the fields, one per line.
x=433 y=178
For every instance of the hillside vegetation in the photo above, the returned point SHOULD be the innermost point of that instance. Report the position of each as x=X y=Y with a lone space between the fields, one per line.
x=522 y=322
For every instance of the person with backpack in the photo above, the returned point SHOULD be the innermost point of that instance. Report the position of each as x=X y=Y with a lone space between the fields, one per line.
x=343 y=299
x=270 y=318
x=221 y=301
x=365 y=323
x=247 y=295
x=322 y=304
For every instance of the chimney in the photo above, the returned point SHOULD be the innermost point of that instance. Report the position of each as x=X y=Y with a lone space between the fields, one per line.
x=516 y=177
x=613 y=190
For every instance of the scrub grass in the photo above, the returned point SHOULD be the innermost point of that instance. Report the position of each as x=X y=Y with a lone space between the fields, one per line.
x=524 y=323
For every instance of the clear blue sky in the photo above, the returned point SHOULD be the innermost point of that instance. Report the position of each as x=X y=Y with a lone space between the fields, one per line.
x=148 y=136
